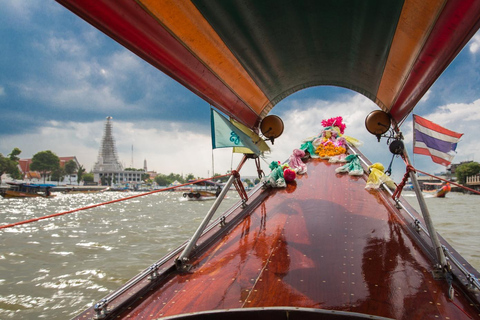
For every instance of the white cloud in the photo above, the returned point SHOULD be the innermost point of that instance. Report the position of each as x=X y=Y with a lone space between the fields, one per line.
x=426 y=96
x=170 y=149
x=475 y=44
x=2 y=91
x=463 y=118
x=305 y=121
x=185 y=148
x=179 y=148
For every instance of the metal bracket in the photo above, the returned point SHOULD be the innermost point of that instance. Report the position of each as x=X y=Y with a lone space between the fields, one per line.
x=153 y=272
x=438 y=272
x=183 y=265
x=416 y=223
x=223 y=222
x=471 y=281
x=101 y=309
x=244 y=203
x=397 y=204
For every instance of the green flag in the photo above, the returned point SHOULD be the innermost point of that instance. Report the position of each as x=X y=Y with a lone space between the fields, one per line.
x=225 y=134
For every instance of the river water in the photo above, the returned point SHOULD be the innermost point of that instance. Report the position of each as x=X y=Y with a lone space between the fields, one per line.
x=57 y=267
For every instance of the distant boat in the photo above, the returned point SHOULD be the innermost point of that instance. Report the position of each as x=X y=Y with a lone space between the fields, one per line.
x=442 y=192
x=25 y=190
x=438 y=189
x=200 y=195
x=75 y=191
x=209 y=191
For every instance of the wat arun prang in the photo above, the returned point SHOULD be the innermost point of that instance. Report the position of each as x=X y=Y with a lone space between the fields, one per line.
x=108 y=170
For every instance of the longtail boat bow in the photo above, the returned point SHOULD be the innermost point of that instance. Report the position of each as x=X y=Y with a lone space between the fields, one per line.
x=308 y=251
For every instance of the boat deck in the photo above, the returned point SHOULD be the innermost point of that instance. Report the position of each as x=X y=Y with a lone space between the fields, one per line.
x=325 y=243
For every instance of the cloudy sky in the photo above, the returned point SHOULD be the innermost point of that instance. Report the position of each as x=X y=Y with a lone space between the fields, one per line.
x=60 y=78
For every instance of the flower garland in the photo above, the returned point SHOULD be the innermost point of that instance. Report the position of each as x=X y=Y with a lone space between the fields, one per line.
x=329 y=149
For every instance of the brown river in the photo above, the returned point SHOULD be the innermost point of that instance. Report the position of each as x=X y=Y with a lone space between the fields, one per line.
x=57 y=267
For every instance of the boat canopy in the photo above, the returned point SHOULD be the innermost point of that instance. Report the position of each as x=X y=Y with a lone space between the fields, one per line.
x=31 y=185
x=244 y=56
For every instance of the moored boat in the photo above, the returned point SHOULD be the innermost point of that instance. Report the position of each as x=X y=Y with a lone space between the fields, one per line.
x=27 y=190
x=322 y=246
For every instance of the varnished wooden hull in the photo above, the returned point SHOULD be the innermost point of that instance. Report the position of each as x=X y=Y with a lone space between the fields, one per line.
x=323 y=243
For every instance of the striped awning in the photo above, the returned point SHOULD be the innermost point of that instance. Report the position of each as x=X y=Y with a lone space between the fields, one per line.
x=244 y=56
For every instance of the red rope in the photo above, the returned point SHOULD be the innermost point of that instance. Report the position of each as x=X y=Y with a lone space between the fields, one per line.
x=105 y=203
x=451 y=182
x=399 y=189
x=461 y=309
x=239 y=186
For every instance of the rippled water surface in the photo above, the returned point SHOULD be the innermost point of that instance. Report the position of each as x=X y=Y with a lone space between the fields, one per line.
x=57 y=267
x=54 y=268
x=457 y=218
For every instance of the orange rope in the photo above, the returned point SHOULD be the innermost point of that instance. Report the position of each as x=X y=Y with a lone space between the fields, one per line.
x=108 y=202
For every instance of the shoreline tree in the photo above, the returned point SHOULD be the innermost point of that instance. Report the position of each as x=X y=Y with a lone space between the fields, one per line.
x=44 y=162
x=80 y=173
x=70 y=168
x=9 y=165
x=87 y=177
x=465 y=170
x=57 y=175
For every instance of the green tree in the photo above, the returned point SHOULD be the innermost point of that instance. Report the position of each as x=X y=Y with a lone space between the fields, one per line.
x=13 y=155
x=162 y=180
x=9 y=164
x=87 y=177
x=465 y=170
x=80 y=172
x=189 y=177
x=175 y=176
x=70 y=168
x=57 y=174
x=44 y=162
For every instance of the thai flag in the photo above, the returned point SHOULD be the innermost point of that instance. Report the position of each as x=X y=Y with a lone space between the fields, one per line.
x=430 y=139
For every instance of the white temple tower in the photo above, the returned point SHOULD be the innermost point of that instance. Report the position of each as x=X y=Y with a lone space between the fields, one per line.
x=108 y=170
x=107 y=156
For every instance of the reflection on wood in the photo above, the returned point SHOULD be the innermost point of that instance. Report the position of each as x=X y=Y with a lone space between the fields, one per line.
x=324 y=242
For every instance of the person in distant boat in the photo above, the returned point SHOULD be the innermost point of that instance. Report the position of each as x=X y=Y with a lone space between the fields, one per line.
x=217 y=193
x=47 y=192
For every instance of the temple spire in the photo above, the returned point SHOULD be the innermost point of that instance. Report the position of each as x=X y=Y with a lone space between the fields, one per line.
x=107 y=156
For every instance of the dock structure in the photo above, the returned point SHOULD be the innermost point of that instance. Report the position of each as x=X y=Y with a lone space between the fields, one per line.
x=473 y=181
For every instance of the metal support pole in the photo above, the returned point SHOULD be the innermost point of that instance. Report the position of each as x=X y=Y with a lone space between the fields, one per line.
x=184 y=256
x=426 y=216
